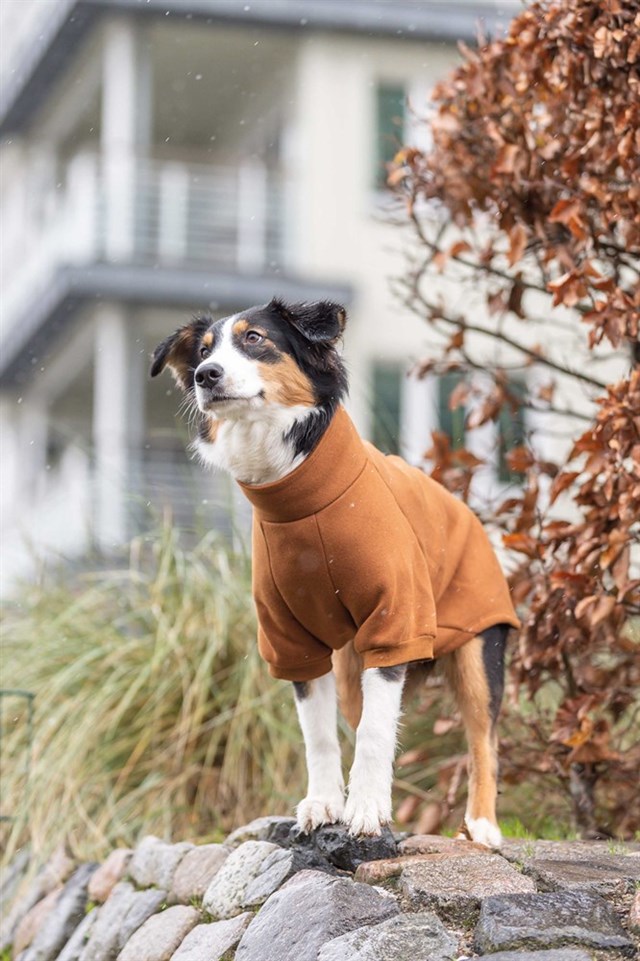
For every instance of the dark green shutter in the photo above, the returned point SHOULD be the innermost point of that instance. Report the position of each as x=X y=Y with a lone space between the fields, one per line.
x=386 y=407
x=511 y=432
x=390 y=119
x=451 y=421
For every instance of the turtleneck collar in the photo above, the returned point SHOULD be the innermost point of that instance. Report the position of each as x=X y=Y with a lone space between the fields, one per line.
x=329 y=470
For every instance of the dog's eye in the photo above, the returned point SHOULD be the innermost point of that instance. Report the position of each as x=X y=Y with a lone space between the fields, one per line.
x=204 y=352
x=253 y=337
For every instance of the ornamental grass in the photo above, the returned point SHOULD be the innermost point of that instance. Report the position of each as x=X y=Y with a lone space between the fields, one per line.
x=152 y=712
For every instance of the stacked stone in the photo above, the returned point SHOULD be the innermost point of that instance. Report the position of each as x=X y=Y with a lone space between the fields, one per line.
x=269 y=893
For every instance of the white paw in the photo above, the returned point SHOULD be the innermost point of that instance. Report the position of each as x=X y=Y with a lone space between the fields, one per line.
x=483 y=831
x=314 y=811
x=366 y=815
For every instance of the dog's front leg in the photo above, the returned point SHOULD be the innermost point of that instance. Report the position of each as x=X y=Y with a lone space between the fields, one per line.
x=369 y=802
x=316 y=703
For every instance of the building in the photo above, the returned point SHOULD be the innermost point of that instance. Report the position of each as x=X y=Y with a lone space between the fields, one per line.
x=158 y=158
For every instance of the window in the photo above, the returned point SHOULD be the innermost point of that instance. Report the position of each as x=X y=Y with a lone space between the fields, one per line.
x=451 y=421
x=389 y=132
x=386 y=407
x=511 y=432
x=509 y=429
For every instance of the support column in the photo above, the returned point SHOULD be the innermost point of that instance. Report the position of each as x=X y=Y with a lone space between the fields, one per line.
x=34 y=434
x=252 y=215
x=125 y=131
x=418 y=406
x=23 y=456
x=118 y=424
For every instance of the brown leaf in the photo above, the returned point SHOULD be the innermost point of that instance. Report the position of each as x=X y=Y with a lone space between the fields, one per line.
x=519 y=459
x=561 y=483
x=459 y=395
x=517 y=244
x=506 y=159
x=459 y=247
x=456 y=341
x=521 y=542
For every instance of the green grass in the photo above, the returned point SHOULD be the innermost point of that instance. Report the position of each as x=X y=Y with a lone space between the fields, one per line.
x=154 y=712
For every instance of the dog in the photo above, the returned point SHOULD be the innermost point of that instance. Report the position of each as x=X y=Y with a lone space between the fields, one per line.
x=364 y=569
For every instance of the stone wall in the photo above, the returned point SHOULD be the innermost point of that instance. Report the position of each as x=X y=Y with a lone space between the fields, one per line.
x=270 y=894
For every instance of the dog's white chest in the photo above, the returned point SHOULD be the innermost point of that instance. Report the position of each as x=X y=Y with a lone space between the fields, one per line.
x=253 y=451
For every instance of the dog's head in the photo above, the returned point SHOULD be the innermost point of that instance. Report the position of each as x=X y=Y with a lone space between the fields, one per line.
x=276 y=355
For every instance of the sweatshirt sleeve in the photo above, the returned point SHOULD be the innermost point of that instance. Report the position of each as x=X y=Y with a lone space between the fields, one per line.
x=291 y=652
x=382 y=577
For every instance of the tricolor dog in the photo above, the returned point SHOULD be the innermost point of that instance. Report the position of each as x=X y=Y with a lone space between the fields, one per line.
x=364 y=569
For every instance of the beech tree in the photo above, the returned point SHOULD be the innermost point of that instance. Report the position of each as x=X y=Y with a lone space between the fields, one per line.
x=529 y=197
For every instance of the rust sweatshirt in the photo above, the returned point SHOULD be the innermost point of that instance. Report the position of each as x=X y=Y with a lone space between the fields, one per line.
x=356 y=545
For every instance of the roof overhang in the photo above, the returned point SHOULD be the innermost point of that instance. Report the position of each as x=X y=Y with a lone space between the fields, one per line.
x=50 y=50
x=29 y=340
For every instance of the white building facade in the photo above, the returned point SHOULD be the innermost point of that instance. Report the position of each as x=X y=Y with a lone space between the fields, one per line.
x=165 y=158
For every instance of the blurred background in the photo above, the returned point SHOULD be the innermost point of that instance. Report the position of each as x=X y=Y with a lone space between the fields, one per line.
x=161 y=158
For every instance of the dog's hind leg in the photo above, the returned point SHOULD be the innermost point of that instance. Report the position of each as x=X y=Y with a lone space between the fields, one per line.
x=476 y=673
x=347 y=668
x=316 y=703
x=368 y=804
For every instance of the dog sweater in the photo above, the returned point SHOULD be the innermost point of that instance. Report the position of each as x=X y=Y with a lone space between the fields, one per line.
x=356 y=545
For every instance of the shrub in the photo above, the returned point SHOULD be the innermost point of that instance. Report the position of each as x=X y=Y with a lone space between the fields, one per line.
x=529 y=203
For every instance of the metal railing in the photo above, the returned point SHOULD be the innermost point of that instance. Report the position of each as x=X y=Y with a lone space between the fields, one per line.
x=132 y=210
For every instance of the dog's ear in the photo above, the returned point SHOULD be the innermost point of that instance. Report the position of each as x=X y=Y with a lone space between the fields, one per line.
x=179 y=352
x=319 y=322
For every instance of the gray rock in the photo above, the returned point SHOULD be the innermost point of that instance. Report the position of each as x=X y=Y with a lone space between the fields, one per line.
x=123 y=912
x=33 y=920
x=65 y=917
x=397 y=939
x=524 y=850
x=439 y=844
x=196 y=871
x=309 y=910
x=278 y=868
x=261 y=829
x=108 y=874
x=160 y=935
x=154 y=862
x=603 y=875
x=12 y=876
x=558 y=954
x=55 y=872
x=634 y=912
x=251 y=873
x=455 y=886
x=210 y=942
x=552 y=920
x=75 y=945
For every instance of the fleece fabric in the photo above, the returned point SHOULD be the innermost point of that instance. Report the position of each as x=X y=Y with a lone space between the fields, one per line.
x=356 y=545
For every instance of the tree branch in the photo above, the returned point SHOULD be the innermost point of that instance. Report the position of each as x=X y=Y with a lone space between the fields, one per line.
x=500 y=336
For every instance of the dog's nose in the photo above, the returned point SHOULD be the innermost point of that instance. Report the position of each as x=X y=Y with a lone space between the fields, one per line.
x=209 y=376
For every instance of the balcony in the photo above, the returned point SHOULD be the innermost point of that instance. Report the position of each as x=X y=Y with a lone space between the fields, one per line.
x=158 y=215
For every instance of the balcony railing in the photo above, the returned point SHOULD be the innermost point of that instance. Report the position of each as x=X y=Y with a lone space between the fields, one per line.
x=161 y=484
x=128 y=210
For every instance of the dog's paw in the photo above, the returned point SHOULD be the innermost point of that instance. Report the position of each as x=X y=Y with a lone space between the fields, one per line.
x=483 y=831
x=311 y=812
x=365 y=815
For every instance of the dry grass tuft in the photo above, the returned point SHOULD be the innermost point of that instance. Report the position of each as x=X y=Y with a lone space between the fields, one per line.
x=153 y=710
